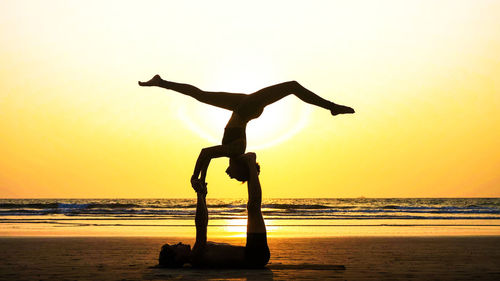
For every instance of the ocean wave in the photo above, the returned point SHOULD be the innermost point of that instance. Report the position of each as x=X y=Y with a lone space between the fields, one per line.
x=28 y=206
x=356 y=208
x=295 y=206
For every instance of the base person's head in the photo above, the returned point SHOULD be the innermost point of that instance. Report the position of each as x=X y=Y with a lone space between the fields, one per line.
x=174 y=255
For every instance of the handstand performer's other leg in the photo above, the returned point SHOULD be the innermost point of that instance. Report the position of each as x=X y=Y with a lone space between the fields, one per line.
x=274 y=93
x=219 y=99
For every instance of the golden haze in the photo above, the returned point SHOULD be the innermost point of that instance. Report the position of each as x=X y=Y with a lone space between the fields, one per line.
x=422 y=75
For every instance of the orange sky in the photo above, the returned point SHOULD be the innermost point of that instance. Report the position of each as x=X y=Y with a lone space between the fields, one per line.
x=423 y=77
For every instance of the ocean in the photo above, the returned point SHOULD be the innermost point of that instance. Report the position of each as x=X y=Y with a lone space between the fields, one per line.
x=318 y=216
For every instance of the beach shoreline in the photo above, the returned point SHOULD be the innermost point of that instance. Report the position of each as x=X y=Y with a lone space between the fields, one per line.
x=309 y=239
x=289 y=228
x=364 y=258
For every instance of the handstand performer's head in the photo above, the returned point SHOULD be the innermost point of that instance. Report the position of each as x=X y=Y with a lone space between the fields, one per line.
x=174 y=255
x=238 y=169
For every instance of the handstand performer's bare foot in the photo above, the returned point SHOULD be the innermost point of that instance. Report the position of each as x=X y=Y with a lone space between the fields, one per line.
x=340 y=109
x=155 y=81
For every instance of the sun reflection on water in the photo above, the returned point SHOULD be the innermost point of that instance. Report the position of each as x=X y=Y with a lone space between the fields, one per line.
x=238 y=228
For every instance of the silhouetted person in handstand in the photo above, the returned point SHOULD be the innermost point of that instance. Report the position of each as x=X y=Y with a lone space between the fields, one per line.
x=245 y=108
x=209 y=254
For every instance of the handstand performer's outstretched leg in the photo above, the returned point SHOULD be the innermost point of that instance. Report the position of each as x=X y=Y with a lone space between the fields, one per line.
x=259 y=99
x=274 y=93
x=219 y=99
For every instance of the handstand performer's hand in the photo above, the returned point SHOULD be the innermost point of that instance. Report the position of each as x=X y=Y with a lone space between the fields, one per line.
x=194 y=182
x=155 y=81
x=200 y=187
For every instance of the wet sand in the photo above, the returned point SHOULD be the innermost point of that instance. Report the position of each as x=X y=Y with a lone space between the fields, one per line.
x=364 y=258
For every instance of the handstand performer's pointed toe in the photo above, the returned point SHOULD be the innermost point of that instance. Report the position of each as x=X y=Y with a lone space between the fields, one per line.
x=155 y=81
x=341 y=109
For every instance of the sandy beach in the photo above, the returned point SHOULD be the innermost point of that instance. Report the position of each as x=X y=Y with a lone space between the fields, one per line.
x=364 y=258
x=309 y=239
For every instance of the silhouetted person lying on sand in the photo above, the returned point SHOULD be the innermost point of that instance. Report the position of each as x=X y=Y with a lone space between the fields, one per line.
x=245 y=108
x=209 y=254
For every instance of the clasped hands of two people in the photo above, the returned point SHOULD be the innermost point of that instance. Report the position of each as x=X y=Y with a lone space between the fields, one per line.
x=200 y=186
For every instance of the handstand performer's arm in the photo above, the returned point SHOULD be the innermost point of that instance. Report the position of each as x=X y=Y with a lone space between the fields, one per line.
x=203 y=161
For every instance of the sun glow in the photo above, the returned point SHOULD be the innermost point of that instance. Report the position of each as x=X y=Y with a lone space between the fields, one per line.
x=422 y=76
x=278 y=123
x=238 y=228
x=246 y=74
x=235 y=227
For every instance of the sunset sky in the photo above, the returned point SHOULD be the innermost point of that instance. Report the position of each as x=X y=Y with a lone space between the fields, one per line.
x=423 y=77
